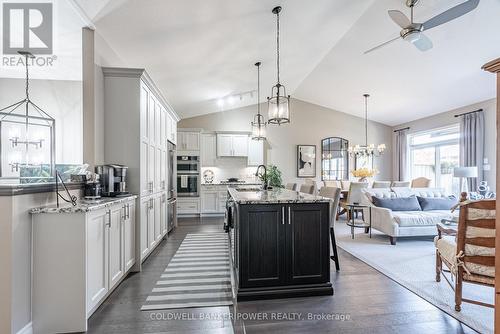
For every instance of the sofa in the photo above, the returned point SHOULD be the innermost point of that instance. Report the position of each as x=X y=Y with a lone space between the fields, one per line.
x=405 y=223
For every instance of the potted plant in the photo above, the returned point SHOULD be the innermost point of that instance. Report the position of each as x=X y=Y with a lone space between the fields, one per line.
x=273 y=176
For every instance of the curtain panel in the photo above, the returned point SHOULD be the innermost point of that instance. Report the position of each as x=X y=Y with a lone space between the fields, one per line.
x=401 y=155
x=472 y=145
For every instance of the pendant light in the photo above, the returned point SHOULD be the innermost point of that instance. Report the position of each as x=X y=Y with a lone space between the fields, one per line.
x=258 y=124
x=279 y=103
x=366 y=149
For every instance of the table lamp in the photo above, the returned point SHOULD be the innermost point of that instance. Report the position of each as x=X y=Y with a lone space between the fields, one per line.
x=464 y=173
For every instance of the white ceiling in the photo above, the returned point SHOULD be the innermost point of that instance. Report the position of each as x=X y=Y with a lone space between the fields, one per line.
x=198 y=51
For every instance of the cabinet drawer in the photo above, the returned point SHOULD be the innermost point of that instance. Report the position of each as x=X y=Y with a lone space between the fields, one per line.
x=188 y=206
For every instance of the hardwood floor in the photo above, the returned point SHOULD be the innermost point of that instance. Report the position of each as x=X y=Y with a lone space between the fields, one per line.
x=373 y=302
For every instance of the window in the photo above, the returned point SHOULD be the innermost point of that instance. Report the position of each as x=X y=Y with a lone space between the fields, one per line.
x=434 y=154
x=334 y=159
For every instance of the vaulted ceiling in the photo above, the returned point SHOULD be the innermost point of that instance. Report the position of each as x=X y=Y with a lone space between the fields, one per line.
x=199 y=51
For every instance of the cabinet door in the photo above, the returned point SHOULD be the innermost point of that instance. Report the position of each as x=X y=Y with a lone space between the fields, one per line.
x=164 y=214
x=144 y=166
x=129 y=236
x=224 y=145
x=116 y=266
x=262 y=238
x=208 y=150
x=192 y=140
x=173 y=130
x=151 y=224
x=163 y=127
x=181 y=141
x=307 y=248
x=209 y=201
x=144 y=120
x=163 y=169
x=158 y=119
x=97 y=257
x=144 y=214
x=158 y=178
x=151 y=168
x=240 y=145
x=151 y=119
x=157 y=217
x=255 y=152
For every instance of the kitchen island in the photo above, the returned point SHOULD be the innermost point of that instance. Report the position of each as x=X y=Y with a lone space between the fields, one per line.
x=279 y=243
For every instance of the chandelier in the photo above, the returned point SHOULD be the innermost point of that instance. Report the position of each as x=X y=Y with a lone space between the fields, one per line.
x=31 y=134
x=258 y=124
x=366 y=150
x=279 y=103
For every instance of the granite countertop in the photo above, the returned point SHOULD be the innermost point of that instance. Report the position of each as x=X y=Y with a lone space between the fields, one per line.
x=218 y=183
x=274 y=196
x=33 y=188
x=83 y=206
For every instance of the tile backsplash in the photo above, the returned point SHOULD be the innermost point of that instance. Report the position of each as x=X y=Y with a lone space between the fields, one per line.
x=231 y=167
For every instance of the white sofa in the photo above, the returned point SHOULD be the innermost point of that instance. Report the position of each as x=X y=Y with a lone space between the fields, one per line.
x=405 y=223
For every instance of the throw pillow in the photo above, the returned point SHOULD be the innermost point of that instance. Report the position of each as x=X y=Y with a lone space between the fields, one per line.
x=398 y=203
x=437 y=203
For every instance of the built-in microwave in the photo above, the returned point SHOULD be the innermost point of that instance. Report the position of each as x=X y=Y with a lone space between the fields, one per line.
x=188 y=164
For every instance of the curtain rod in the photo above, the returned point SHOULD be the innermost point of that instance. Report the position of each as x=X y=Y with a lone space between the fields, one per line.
x=470 y=112
x=407 y=128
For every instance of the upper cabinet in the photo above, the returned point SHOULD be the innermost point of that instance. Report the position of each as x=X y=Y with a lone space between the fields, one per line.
x=171 y=129
x=208 y=150
x=188 y=141
x=255 y=152
x=232 y=145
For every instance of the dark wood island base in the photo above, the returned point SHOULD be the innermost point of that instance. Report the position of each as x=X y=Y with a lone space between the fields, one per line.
x=279 y=244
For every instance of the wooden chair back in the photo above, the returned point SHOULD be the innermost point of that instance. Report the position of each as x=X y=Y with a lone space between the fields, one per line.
x=307 y=188
x=420 y=182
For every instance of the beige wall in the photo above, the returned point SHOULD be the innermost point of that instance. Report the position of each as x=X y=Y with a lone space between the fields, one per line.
x=447 y=118
x=310 y=123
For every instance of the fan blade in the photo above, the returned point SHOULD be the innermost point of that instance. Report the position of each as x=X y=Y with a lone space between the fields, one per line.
x=399 y=18
x=451 y=14
x=381 y=45
x=423 y=43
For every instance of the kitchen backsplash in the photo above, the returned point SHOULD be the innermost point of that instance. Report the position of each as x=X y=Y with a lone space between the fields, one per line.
x=231 y=167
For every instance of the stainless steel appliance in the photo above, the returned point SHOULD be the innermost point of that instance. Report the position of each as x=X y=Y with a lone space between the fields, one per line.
x=113 y=180
x=188 y=176
x=172 y=188
x=93 y=188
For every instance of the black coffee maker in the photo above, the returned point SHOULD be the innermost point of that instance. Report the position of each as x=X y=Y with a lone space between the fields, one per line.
x=113 y=180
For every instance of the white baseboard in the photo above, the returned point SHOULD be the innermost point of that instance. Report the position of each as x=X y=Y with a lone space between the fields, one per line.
x=28 y=329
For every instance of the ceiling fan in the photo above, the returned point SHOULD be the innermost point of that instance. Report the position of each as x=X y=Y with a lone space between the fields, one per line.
x=413 y=32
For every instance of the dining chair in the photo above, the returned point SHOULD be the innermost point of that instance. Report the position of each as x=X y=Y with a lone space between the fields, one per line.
x=381 y=184
x=313 y=182
x=420 y=182
x=469 y=253
x=291 y=186
x=400 y=184
x=345 y=184
x=307 y=188
x=333 y=184
x=354 y=196
x=334 y=194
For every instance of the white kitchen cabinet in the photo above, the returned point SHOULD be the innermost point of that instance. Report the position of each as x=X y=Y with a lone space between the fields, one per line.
x=116 y=265
x=164 y=215
x=97 y=257
x=157 y=204
x=188 y=141
x=232 y=145
x=188 y=206
x=151 y=224
x=73 y=275
x=129 y=235
x=209 y=202
x=208 y=150
x=255 y=152
x=138 y=122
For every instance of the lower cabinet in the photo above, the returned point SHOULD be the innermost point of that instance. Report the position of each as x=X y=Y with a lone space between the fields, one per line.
x=213 y=199
x=74 y=274
x=153 y=221
x=188 y=205
x=282 y=245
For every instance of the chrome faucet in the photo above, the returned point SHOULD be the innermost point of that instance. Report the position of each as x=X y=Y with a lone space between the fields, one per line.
x=264 y=176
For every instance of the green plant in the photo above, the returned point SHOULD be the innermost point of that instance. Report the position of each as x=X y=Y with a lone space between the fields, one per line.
x=273 y=176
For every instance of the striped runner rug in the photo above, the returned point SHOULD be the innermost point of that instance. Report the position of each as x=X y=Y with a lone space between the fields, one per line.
x=197 y=276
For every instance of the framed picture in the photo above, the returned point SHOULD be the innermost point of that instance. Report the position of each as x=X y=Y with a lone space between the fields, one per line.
x=306 y=160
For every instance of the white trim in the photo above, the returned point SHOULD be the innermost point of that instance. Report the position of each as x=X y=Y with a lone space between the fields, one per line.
x=28 y=329
x=83 y=15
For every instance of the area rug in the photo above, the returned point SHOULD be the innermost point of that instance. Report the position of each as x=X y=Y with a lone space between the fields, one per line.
x=411 y=263
x=197 y=276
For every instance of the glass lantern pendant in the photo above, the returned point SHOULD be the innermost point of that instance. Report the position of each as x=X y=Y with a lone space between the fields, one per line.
x=258 y=124
x=279 y=103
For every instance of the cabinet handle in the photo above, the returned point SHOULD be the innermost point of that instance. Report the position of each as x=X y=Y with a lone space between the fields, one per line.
x=128 y=210
x=282 y=215
x=108 y=224
x=289 y=215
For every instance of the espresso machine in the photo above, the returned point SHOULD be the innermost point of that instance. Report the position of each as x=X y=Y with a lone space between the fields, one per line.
x=113 y=180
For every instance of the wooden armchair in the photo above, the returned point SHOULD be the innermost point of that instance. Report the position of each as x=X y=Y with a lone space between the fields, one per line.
x=470 y=256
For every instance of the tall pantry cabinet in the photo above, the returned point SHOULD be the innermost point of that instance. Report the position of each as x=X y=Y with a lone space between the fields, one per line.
x=138 y=123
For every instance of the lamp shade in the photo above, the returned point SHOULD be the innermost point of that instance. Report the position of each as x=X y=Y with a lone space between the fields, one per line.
x=465 y=172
